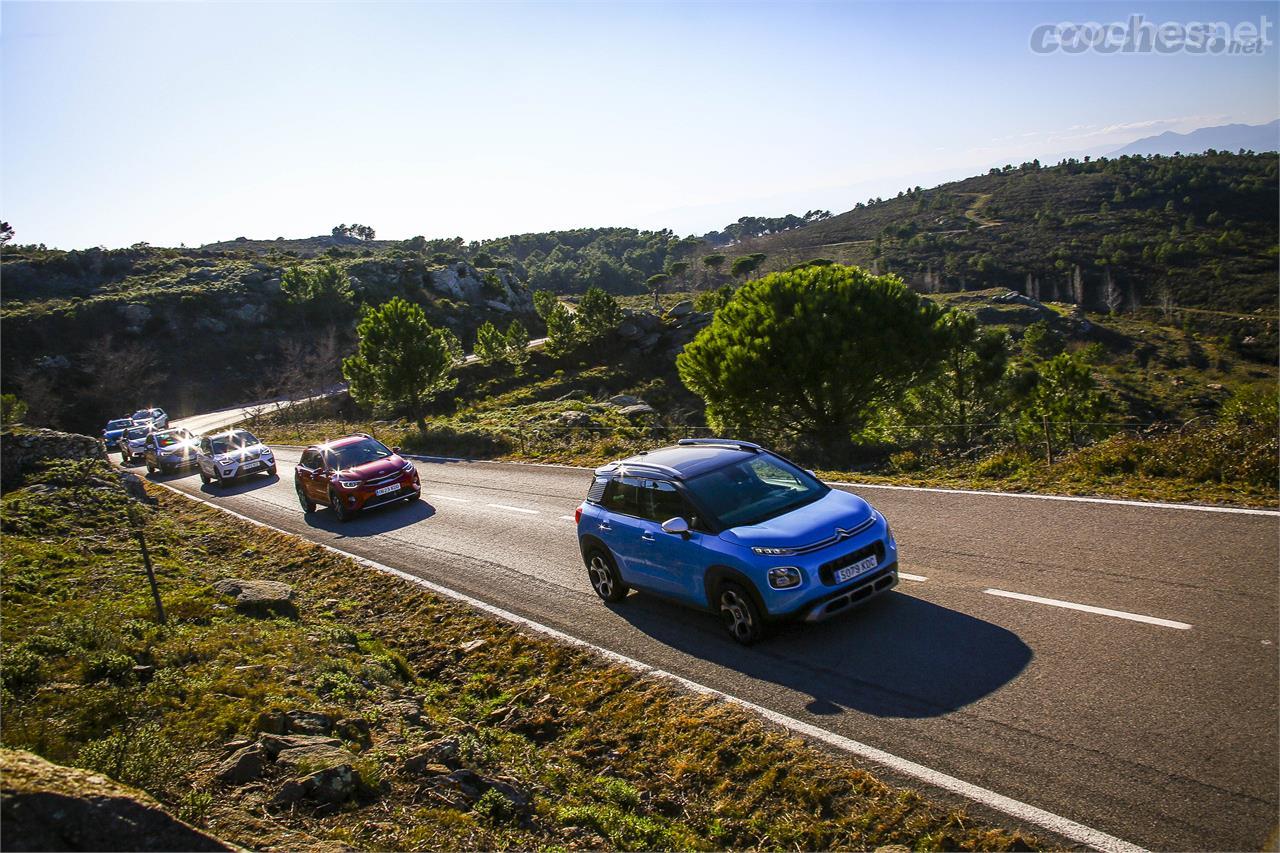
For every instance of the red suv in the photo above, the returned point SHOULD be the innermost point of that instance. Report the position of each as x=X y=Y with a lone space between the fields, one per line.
x=354 y=473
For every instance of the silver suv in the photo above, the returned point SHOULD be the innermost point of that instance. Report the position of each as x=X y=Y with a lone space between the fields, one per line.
x=156 y=417
x=224 y=456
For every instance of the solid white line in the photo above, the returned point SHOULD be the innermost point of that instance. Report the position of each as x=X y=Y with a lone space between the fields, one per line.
x=514 y=508
x=1088 y=608
x=1237 y=510
x=1070 y=829
x=450 y=498
x=1070 y=498
x=566 y=518
x=916 y=578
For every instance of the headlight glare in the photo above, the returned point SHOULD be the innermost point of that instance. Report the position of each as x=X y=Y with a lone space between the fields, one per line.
x=349 y=484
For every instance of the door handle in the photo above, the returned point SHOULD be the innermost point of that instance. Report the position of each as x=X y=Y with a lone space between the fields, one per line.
x=604 y=525
x=647 y=536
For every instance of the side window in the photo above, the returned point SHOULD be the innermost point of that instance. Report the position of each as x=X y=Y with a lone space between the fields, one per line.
x=311 y=459
x=620 y=496
x=205 y=447
x=660 y=501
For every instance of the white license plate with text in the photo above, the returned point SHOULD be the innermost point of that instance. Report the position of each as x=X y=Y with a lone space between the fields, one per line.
x=864 y=565
x=386 y=490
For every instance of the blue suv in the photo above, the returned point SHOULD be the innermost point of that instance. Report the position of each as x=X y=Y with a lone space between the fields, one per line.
x=729 y=527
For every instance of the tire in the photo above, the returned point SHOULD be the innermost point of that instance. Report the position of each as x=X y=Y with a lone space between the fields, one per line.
x=340 y=512
x=602 y=571
x=220 y=480
x=308 y=505
x=204 y=478
x=124 y=457
x=166 y=470
x=739 y=614
x=151 y=469
x=271 y=471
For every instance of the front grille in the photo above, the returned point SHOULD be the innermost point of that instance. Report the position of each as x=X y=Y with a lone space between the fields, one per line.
x=828 y=569
x=839 y=537
x=382 y=481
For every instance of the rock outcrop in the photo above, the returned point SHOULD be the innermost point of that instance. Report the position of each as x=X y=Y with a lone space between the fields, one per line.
x=44 y=806
x=259 y=598
x=22 y=451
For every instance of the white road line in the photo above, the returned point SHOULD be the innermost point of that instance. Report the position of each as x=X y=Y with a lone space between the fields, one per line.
x=450 y=498
x=1071 y=498
x=514 y=508
x=1087 y=608
x=1065 y=827
x=567 y=518
x=916 y=578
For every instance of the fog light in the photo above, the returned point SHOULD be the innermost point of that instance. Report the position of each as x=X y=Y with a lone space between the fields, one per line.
x=784 y=577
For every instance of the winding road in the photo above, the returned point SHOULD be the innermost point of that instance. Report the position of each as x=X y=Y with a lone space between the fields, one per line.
x=1112 y=663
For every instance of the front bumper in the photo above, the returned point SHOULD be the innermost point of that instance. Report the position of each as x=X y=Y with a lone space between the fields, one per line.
x=880 y=580
x=176 y=461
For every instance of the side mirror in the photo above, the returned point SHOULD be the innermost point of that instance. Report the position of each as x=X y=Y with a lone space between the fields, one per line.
x=395 y=450
x=676 y=526
x=809 y=471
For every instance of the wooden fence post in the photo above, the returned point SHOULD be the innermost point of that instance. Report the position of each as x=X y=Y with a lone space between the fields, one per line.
x=146 y=561
x=1048 y=444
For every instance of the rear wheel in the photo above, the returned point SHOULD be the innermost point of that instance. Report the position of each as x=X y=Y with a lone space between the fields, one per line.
x=739 y=614
x=604 y=576
x=340 y=512
x=308 y=505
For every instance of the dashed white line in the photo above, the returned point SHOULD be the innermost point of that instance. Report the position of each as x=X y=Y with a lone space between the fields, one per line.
x=1088 y=608
x=450 y=498
x=567 y=518
x=916 y=578
x=514 y=508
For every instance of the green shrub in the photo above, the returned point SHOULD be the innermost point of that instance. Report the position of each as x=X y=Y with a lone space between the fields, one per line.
x=20 y=669
x=142 y=757
x=107 y=665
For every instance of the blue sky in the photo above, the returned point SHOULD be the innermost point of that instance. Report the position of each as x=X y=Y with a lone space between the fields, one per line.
x=188 y=123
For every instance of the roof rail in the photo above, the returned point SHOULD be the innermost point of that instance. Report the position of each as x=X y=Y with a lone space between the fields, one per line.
x=719 y=442
x=626 y=466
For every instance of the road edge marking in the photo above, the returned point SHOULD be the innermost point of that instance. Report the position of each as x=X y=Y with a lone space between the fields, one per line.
x=1089 y=608
x=1237 y=510
x=1017 y=809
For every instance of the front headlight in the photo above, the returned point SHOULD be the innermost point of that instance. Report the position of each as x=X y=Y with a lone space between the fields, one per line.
x=349 y=484
x=784 y=577
x=888 y=532
x=773 y=552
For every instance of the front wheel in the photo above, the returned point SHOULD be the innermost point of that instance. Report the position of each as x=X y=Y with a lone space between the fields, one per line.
x=151 y=469
x=271 y=470
x=204 y=478
x=739 y=614
x=339 y=511
x=220 y=480
x=308 y=505
x=604 y=576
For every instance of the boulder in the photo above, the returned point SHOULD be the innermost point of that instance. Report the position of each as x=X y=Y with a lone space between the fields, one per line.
x=313 y=756
x=408 y=710
x=630 y=331
x=649 y=341
x=497 y=305
x=259 y=597
x=681 y=309
x=135 y=316
x=276 y=744
x=308 y=723
x=44 y=806
x=211 y=324
x=243 y=765
x=441 y=751
x=335 y=784
x=637 y=410
x=574 y=419
x=623 y=400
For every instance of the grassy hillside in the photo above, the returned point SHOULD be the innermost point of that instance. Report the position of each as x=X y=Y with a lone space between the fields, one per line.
x=455 y=731
x=1204 y=227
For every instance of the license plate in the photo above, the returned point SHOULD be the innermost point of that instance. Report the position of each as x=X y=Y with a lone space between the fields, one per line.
x=386 y=490
x=864 y=565
x=249 y=466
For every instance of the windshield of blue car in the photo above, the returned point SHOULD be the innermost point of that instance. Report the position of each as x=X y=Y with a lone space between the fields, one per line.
x=351 y=455
x=169 y=439
x=755 y=490
x=142 y=415
x=137 y=432
x=237 y=440
x=123 y=423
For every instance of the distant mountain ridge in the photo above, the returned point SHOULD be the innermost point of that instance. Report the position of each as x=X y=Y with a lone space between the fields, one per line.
x=1226 y=137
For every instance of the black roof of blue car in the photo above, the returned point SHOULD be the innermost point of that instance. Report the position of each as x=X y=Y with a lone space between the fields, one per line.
x=689 y=458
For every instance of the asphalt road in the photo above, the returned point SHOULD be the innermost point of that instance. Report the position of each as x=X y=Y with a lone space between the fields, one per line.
x=1158 y=733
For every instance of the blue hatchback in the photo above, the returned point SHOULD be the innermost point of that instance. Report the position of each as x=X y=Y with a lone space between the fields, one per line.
x=732 y=528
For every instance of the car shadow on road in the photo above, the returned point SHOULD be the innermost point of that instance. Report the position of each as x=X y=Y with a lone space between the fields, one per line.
x=251 y=483
x=897 y=656
x=382 y=519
